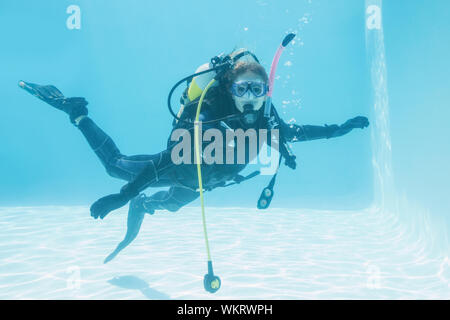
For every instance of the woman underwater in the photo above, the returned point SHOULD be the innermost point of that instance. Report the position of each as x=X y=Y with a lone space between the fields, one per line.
x=237 y=101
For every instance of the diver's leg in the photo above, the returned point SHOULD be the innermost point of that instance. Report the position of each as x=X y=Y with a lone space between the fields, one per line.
x=157 y=172
x=172 y=200
x=116 y=164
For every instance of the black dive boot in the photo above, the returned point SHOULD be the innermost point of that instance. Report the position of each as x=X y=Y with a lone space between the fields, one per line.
x=136 y=212
x=74 y=107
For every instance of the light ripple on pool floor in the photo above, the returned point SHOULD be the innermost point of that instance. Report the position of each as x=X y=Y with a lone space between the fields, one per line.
x=56 y=252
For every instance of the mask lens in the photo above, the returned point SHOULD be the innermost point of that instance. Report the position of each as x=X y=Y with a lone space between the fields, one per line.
x=257 y=89
x=241 y=89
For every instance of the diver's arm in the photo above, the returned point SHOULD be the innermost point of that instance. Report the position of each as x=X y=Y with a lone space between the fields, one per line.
x=294 y=132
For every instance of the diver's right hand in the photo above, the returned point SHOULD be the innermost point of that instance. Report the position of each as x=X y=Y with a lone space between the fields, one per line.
x=105 y=205
x=356 y=122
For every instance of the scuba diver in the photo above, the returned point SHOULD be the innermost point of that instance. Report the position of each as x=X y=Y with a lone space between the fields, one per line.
x=237 y=100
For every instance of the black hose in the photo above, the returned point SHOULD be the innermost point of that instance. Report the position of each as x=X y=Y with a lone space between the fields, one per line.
x=176 y=86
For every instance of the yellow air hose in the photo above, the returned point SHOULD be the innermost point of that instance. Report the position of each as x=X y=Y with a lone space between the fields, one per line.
x=199 y=170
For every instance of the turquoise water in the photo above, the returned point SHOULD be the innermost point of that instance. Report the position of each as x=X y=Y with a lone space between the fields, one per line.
x=364 y=216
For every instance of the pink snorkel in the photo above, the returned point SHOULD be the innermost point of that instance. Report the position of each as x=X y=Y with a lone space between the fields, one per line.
x=273 y=69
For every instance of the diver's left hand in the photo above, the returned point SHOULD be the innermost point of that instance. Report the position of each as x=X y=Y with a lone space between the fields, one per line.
x=357 y=122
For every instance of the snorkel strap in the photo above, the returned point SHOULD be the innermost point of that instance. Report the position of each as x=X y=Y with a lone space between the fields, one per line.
x=245 y=53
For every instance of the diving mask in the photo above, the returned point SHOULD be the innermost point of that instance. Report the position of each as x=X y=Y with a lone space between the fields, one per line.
x=257 y=88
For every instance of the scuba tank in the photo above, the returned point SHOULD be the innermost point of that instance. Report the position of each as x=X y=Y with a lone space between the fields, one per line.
x=199 y=83
x=195 y=86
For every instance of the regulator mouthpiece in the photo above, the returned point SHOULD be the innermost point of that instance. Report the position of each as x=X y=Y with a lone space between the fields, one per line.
x=249 y=116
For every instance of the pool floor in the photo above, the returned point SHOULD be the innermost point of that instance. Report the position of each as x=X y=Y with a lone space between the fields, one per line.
x=57 y=253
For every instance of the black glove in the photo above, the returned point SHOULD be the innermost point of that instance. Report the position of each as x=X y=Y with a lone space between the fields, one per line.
x=357 y=122
x=290 y=162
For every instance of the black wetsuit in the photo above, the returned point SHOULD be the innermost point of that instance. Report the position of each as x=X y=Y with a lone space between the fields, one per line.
x=182 y=179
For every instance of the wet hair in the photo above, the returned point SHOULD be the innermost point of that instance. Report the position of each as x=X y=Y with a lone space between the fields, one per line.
x=241 y=68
